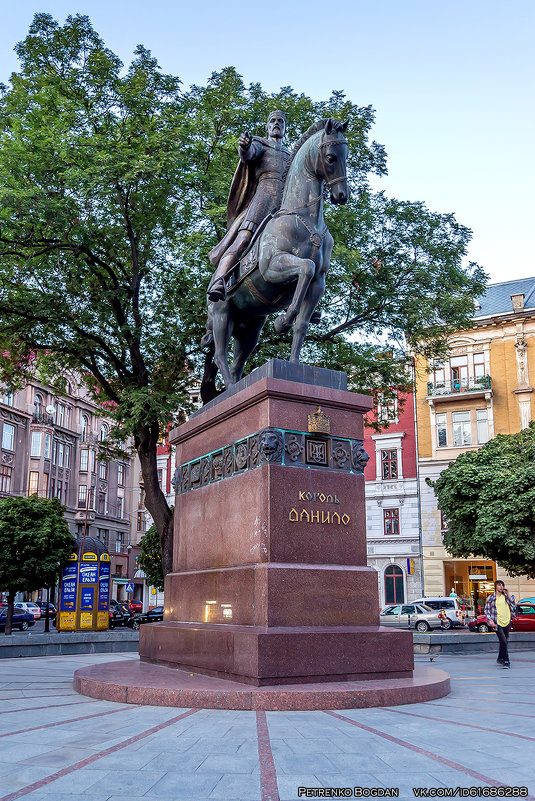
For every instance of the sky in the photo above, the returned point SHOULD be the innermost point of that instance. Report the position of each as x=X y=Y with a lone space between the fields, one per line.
x=452 y=84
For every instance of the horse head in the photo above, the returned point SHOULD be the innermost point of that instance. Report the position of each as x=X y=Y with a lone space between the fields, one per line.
x=332 y=155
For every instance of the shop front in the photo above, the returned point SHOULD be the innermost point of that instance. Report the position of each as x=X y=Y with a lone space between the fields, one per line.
x=472 y=580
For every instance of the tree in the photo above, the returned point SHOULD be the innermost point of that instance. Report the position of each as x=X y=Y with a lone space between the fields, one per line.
x=150 y=558
x=113 y=189
x=34 y=542
x=488 y=498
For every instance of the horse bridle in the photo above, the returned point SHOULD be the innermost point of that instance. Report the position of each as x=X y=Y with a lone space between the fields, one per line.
x=316 y=238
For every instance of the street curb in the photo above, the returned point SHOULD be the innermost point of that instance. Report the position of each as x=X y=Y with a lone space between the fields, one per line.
x=54 y=644
x=470 y=642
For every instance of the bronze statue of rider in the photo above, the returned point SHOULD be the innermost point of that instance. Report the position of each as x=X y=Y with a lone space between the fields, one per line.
x=255 y=192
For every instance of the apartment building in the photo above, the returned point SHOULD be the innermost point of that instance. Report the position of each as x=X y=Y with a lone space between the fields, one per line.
x=49 y=446
x=483 y=389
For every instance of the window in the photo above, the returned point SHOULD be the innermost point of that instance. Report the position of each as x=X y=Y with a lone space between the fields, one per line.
x=48 y=441
x=101 y=503
x=59 y=489
x=391 y=521
x=84 y=460
x=93 y=461
x=394 y=593
x=7 y=398
x=103 y=470
x=482 y=426
x=118 y=569
x=5 y=478
x=52 y=485
x=387 y=408
x=66 y=494
x=119 y=507
x=38 y=403
x=67 y=416
x=141 y=498
x=67 y=460
x=479 y=365
x=462 y=433
x=60 y=414
x=45 y=485
x=439 y=374
x=119 y=542
x=59 y=454
x=442 y=431
x=8 y=437
x=160 y=476
x=120 y=475
x=140 y=521
x=103 y=432
x=35 y=447
x=389 y=464
x=33 y=483
x=85 y=427
x=82 y=495
x=459 y=372
x=102 y=534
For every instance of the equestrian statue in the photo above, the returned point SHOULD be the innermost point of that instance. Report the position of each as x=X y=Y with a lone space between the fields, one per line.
x=276 y=252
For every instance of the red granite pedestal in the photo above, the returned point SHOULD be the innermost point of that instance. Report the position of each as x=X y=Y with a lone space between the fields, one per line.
x=270 y=587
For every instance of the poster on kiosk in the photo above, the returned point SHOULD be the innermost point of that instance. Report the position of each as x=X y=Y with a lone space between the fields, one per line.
x=85 y=590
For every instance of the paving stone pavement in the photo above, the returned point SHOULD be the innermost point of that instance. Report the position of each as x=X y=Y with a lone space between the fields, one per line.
x=56 y=745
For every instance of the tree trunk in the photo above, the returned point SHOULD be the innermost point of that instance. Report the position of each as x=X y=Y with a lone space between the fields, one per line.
x=9 y=615
x=155 y=501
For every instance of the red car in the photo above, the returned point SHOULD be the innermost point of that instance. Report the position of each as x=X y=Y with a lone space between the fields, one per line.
x=135 y=606
x=524 y=620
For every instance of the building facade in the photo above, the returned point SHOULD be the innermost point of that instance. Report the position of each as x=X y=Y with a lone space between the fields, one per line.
x=49 y=446
x=484 y=388
x=392 y=504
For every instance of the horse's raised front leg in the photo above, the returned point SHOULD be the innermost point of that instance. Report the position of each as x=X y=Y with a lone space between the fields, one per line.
x=311 y=300
x=223 y=324
x=283 y=268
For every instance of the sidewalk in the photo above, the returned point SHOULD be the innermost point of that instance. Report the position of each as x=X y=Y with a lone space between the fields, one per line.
x=57 y=745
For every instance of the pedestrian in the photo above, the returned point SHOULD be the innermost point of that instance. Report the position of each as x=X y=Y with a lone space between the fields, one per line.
x=499 y=610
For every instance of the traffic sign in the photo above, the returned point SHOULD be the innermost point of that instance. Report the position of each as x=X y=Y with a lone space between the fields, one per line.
x=130 y=587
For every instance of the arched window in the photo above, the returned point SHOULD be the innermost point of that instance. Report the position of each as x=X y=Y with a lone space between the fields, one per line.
x=38 y=403
x=85 y=426
x=103 y=432
x=394 y=593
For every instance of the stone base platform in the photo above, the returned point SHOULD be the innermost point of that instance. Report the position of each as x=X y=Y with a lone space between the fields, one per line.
x=141 y=683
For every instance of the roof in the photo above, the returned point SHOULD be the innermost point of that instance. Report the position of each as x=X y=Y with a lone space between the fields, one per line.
x=497 y=297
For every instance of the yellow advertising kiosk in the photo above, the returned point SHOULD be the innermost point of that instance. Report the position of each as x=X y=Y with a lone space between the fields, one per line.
x=84 y=596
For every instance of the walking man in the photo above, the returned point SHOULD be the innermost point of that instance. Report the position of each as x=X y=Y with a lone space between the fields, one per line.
x=499 y=610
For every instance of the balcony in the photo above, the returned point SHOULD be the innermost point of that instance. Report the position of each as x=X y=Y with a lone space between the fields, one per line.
x=447 y=390
x=43 y=418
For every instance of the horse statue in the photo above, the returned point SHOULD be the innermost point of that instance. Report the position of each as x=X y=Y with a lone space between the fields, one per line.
x=286 y=264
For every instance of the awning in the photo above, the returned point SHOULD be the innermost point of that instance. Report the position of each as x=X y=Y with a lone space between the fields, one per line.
x=120 y=580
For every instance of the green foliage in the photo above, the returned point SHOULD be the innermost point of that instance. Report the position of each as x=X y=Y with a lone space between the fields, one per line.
x=488 y=498
x=34 y=542
x=150 y=558
x=113 y=187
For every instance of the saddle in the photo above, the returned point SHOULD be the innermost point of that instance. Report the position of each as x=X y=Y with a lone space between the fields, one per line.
x=248 y=260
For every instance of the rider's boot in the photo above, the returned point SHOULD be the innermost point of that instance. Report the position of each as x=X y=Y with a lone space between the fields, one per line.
x=217 y=291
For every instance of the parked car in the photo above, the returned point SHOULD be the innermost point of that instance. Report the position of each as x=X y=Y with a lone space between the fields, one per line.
x=118 y=617
x=526 y=601
x=478 y=623
x=152 y=616
x=47 y=609
x=450 y=605
x=21 y=619
x=135 y=606
x=414 y=616
x=523 y=620
x=31 y=607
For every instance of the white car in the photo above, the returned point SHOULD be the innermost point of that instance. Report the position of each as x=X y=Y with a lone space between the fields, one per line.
x=30 y=607
x=414 y=616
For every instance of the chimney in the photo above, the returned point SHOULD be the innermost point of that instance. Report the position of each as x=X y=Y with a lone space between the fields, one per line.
x=518 y=302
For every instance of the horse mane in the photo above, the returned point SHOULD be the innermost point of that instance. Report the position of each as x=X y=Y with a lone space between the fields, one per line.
x=310 y=131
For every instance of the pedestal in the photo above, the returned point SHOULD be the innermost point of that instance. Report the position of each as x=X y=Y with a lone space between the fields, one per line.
x=270 y=583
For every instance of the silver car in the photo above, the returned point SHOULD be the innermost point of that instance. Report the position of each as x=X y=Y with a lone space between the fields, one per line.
x=413 y=616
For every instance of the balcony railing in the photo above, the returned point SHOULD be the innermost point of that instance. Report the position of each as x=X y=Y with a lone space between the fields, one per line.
x=43 y=418
x=459 y=385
